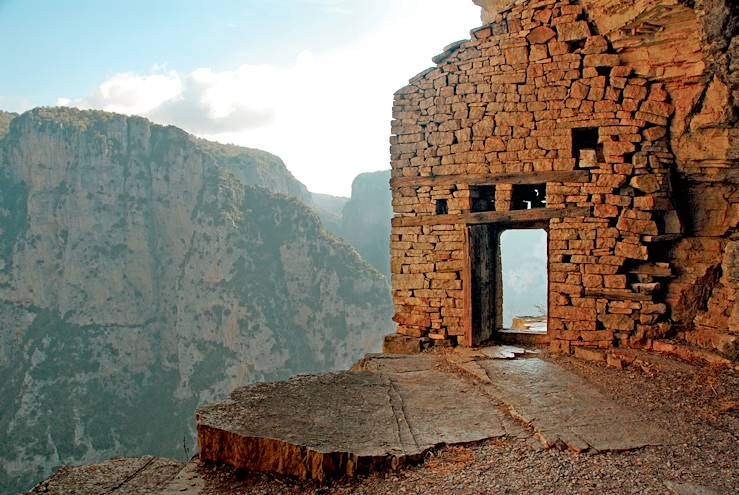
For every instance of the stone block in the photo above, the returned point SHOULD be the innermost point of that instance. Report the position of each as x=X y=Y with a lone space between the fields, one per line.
x=617 y=322
x=606 y=211
x=516 y=55
x=549 y=93
x=618 y=148
x=646 y=183
x=615 y=281
x=589 y=354
x=401 y=344
x=541 y=34
x=573 y=31
x=538 y=52
x=601 y=60
x=632 y=251
x=657 y=108
x=654 y=133
x=409 y=282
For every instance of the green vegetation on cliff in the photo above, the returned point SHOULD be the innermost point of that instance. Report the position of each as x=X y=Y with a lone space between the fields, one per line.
x=146 y=272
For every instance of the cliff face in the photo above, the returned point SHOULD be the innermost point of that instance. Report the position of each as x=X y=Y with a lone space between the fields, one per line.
x=257 y=167
x=5 y=119
x=366 y=218
x=362 y=220
x=329 y=210
x=139 y=277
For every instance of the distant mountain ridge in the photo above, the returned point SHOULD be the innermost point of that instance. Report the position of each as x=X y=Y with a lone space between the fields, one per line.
x=144 y=271
x=257 y=167
x=5 y=119
x=362 y=220
x=366 y=218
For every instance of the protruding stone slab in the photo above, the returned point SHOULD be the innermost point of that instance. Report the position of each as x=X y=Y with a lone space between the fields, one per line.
x=391 y=409
x=345 y=424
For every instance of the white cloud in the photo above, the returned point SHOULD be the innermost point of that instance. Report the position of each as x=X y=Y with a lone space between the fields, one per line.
x=132 y=93
x=327 y=114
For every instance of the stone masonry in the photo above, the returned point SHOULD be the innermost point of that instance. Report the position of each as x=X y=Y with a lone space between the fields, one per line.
x=627 y=121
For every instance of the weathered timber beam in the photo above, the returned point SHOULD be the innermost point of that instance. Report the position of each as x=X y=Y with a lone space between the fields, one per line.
x=617 y=294
x=662 y=238
x=514 y=216
x=660 y=270
x=489 y=180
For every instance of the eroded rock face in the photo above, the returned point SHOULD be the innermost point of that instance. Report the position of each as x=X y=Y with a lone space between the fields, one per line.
x=362 y=220
x=140 y=277
x=694 y=49
x=5 y=119
x=366 y=219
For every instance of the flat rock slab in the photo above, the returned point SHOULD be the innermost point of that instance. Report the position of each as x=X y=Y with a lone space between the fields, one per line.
x=140 y=476
x=565 y=409
x=391 y=409
x=344 y=424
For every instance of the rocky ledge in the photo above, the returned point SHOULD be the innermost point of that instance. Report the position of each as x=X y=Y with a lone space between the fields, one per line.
x=390 y=410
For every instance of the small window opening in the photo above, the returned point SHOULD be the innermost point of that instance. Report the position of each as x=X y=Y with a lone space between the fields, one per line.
x=525 y=280
x=604 y=71
x=528 y=196
x=442 y=207
x=585 y=147
x=483 y=198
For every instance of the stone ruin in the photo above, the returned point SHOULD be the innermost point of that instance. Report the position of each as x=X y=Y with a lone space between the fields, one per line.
x=623 y=115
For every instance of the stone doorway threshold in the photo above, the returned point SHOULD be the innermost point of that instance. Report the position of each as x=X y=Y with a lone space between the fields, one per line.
x=390 y=410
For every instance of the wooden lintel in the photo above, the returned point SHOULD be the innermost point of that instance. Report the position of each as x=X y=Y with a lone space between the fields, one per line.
x=653 y=270
x=503 y=217
x=489 y=180
x=662 y=238
x=617 y=294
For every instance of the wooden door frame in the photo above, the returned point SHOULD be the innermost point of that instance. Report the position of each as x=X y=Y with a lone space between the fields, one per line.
x=468 y=317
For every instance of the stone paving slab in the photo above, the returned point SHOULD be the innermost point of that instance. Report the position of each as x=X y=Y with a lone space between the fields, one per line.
x=564 y=407
x=344 y=424
x=391 y=409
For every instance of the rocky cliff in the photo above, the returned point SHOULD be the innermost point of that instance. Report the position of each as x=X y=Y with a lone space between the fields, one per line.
x=366 y=218
x=140 y=276
x=5 y=119
x=362 y=220
x=329 y=210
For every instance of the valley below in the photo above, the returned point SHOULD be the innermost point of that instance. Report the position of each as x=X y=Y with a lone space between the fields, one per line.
x=144 y=272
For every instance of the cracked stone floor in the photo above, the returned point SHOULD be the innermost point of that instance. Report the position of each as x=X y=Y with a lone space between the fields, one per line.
x=388 y=411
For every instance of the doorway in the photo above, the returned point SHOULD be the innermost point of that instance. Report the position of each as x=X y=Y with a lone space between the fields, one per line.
x=525 y=281
x=508 y=284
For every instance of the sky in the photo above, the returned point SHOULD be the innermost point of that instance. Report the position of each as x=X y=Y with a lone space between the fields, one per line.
x=311 y=81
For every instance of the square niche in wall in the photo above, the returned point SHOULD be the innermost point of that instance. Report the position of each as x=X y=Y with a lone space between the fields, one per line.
x=585 y=147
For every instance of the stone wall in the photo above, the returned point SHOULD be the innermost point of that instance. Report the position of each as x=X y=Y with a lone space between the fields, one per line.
x=640 y=225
